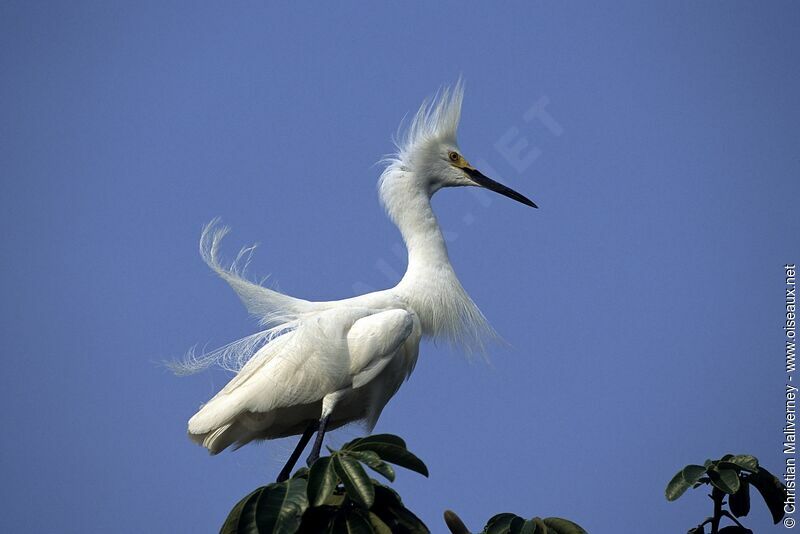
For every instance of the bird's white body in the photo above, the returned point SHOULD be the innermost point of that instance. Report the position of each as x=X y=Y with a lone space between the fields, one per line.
x=345 y=359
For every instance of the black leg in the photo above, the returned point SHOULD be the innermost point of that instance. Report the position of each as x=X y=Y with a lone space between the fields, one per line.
x=314 y=456
x=287 y=469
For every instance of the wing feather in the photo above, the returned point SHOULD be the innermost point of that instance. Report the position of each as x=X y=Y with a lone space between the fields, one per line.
x=298 y=367
x=374 y=340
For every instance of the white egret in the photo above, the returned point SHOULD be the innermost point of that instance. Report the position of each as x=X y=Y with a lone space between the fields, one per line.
x=320 y=365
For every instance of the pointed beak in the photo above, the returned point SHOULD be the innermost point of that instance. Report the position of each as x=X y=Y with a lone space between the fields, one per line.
x=488 y=183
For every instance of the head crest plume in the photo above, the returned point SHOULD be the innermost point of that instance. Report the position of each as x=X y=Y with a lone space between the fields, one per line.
x=436 y=120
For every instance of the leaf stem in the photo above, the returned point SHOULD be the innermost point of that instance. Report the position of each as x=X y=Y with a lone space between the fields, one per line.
x=730 y=516
x=717 y=496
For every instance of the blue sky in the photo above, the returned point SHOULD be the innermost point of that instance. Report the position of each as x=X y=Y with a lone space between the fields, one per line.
x=642 y=304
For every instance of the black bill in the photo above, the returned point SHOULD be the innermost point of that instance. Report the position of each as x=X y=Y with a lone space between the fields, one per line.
x=497 y=187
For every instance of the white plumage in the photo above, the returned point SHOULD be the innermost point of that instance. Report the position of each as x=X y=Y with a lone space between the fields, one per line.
x=320 y=365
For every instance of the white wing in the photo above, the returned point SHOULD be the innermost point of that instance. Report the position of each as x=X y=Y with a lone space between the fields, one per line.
x=333 y=351
x=373 y=342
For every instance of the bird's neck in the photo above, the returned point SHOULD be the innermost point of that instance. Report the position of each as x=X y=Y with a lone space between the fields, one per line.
x=430 y=285
x=414 y=217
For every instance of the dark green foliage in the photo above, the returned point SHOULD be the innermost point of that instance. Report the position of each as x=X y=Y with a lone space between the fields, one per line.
x=508 y=523
x=388 y=448
x=322 y=480
x=336 y=495
x=683 y=480
x=389 y=508
x=454 y=523
x=356 y=483
x=731 y=476
x=374 y=462
x=513 y=524
x=739 y=502
x=772 y=491
x=275 y=508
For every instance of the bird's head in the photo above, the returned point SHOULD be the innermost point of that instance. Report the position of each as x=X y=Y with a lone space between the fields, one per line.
x=429 y=157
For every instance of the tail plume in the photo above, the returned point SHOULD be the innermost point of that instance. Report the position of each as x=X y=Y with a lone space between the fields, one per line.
x=269 y=306
x=230 y=357
x=277 y=312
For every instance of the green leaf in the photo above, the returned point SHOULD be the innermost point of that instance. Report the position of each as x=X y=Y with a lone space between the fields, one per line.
x=379 y=526
x=692 y=473
x=356 y=482
x=745 y=461
x=322 y=480
x=516 y=525
x=280 y=507
x=500 y=523
x=726 y=480
x=739 y=502
x=234 y=522
x=683 y=480
x=557 y=525
x=394 y=454
x=301 y=473
x=391 y=439
x=336 y=498
x=726 y=458
x=389 y=507
x=248 y=523
x=676 y=487
x=373 y=461
x=772 y=490
x=728 y=465
x=401 y=519
x=352 y=522
x=533 y=526
x=454 y=523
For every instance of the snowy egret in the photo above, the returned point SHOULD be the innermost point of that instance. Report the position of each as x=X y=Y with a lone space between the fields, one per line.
x=319 y=365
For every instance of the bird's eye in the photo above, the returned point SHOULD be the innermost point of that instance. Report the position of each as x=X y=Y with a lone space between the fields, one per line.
x=454 y=157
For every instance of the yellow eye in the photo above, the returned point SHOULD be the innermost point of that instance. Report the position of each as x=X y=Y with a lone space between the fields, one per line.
x=454 y=157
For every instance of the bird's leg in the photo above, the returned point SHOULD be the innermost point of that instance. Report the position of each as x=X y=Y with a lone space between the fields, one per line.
x=314 y=456
x=329 y=402
x=304 y=439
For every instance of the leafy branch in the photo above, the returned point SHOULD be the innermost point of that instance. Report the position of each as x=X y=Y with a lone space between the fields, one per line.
x=508 y=523
x=335 y=495
x=731 y=476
